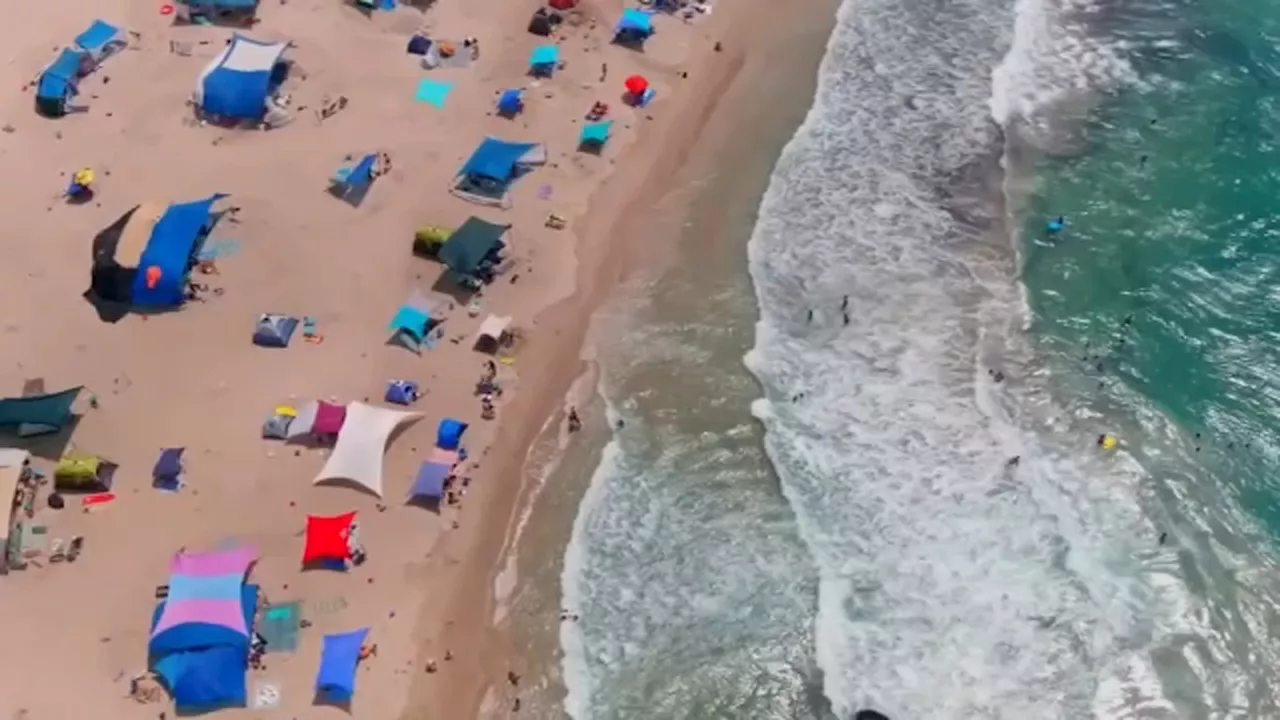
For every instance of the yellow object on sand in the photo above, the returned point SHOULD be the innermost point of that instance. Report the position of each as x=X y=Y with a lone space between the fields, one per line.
x=84 y=177
x=1109 y=442
x=286 y=411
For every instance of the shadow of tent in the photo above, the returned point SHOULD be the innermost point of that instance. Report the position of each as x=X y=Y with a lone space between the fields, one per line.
x=111 y=312
x=591 y=147
x=352 y=195
x=447 y=284
x=630 y=41
x=191 y=711
x=348 y=484
x=324 y=699
x=330 y=564
x=429 y=504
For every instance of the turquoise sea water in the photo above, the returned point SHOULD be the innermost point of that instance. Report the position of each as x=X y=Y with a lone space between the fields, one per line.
x=1186 y=243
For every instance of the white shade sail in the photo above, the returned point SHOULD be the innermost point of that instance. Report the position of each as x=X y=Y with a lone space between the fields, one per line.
x=357 y=456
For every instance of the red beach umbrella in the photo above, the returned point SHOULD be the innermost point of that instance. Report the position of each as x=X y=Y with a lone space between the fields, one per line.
x=636 y=85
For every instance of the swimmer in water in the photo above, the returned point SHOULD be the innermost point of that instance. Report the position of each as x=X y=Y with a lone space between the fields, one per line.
x=809 y=318
x=1056 y=225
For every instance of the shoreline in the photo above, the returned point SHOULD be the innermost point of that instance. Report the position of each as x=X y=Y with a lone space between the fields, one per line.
x=629 y=204
x=562 y=330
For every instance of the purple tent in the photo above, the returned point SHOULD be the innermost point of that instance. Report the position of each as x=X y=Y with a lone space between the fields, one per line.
x=429 y=483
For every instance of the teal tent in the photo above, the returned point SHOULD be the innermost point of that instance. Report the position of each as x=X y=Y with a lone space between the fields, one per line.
x=38 y=414
x=472 y=245
x=594 y=135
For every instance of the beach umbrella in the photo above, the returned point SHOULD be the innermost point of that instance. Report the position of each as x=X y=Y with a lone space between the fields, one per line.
x=636 y=85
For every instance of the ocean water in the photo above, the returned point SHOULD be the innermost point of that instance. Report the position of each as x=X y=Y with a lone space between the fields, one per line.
x=902 y=505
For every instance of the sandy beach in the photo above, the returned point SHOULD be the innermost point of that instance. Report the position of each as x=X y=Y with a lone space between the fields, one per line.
x=193 y=379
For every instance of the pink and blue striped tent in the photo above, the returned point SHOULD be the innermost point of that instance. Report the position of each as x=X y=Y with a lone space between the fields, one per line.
x=204 y=608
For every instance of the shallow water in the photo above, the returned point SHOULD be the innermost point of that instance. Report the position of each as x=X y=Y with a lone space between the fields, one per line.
x=898 y=558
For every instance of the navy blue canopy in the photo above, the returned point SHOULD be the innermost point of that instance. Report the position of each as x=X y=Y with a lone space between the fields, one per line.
x=496 y=159
x=167 y=473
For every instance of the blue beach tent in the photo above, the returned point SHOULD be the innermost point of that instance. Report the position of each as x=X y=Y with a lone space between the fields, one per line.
x=493 y=166
x=336 y=678
x=239 y=81
x=206 y=671
x=58 y=82
x=449 y=434
x=510 y=103
x=633 y=28
x=543 y=60
x=174 y=243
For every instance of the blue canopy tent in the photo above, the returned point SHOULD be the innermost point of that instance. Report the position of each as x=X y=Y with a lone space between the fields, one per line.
x=101 y=40
x=171 y=250
x=510 y=103
x=352 y=182
x=543 y=60
x=493 y=166
x=240 y=80
x=410 y=325
x=449 y=434
x=58 y=82
x=206 y=673
x=402 y=392
x=336 y=678
x=633 y=28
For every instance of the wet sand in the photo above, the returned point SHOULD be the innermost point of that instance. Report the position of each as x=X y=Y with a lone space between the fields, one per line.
x=714 y=164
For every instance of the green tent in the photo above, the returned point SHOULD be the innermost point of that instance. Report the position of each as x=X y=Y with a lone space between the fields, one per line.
x=467 y=247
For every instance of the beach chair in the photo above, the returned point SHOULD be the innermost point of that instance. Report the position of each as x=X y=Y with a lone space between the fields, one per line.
x=101 y=41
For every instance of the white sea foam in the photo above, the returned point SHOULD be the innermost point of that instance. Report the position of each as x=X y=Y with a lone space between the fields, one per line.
x=575 y=664
x=952 y=585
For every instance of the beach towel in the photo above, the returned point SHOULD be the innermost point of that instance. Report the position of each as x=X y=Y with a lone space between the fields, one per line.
x=433 y=92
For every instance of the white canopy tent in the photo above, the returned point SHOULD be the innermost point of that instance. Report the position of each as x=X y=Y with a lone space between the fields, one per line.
x=12 y=463
x=492 y=330
x=357 y=456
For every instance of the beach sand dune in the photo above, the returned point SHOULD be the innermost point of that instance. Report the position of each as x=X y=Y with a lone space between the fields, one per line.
x=192 y=378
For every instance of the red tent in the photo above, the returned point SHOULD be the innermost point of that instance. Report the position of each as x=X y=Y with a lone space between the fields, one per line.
x=329 y=418
x=636 y=85
x=327 y=538
x=563 y=4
